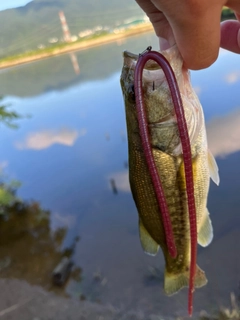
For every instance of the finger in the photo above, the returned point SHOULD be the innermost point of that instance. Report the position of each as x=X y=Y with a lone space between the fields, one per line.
x=230 y=35
x=198 y=38
x=159 y=22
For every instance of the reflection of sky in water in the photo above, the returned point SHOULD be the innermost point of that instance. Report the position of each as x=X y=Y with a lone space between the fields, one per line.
x=71 y=122
x=219 y=85
x=224 y=133
x=218 y=90
x=70 y=153
x=46 y=138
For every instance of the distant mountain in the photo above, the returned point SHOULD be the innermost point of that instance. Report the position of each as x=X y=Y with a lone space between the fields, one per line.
x=25 y=28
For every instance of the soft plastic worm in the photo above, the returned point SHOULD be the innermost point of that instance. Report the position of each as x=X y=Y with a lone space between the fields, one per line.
x=187 y=158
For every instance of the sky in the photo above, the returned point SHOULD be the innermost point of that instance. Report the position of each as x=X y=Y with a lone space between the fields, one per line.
x=12 y=4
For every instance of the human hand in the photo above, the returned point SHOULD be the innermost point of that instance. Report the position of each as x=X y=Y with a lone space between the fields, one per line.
x=194 y=25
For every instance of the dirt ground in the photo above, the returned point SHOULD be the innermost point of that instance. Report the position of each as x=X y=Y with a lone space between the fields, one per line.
x=21 y=301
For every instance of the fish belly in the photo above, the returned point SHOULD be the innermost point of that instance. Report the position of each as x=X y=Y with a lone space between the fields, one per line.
x=151 y=228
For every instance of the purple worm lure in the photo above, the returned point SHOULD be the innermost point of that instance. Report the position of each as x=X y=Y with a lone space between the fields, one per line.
x=187 y=158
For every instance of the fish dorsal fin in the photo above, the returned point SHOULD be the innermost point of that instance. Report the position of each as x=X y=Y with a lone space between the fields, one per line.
x=205 y=233
x=149 y=245
x=213 y=168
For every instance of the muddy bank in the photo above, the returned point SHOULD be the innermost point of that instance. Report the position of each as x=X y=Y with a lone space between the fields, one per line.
x=19 y=300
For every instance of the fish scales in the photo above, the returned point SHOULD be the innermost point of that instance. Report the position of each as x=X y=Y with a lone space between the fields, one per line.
x=167 y=153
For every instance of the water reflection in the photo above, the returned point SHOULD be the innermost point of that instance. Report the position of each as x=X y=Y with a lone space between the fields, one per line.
x=29 y=249
x=81 y=176
x=56 y=73
x=223 y=134
x=75 y=64
x=119 y=181
x=113 y=186
x=8 y=117
x=46 y=138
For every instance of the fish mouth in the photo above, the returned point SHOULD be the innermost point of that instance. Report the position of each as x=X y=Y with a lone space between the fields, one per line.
x=130 y=60
x=153 y=78
x=152 y=72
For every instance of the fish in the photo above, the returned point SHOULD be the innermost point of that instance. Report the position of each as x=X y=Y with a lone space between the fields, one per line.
x=167 y=151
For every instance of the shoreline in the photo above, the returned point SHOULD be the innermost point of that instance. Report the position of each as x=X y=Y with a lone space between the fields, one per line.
x=77 y=46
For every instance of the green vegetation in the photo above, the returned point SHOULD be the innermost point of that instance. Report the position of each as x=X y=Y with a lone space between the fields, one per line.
x=32 y=26
x=51 y=48
x=29 y=27
x=29 y=248
x=7 y=117
x=62 y=47
x=227 y=14
x=8 y=194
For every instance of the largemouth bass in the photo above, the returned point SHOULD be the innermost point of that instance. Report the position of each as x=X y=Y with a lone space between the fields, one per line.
x=168 y=157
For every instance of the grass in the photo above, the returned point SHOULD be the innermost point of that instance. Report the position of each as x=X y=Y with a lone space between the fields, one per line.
x=224 y=313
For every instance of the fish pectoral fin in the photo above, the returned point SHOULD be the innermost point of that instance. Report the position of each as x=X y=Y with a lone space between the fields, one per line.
x=213 y=168
x=205 y=233
x=149 y=245
x=173 y=282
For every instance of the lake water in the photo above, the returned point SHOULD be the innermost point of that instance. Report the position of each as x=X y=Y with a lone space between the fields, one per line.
x=64 y=180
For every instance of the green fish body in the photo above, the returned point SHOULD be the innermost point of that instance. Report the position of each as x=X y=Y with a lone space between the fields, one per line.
x=167 y=153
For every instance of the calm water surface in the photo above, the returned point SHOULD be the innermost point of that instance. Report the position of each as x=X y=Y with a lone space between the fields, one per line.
x=64 y=181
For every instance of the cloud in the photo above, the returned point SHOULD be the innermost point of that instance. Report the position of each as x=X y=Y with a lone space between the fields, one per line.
x=232 y=77
x=59 y=220
x=46 y=138
x=197 y=89
x=223 y=134
x=121 y=181
x=3 y=164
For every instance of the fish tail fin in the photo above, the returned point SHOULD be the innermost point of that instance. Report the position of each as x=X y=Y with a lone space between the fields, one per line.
x=175 y=282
